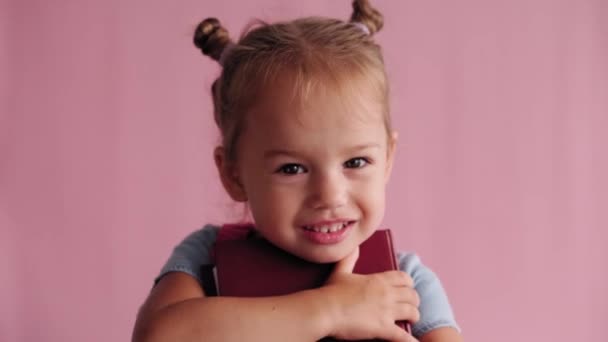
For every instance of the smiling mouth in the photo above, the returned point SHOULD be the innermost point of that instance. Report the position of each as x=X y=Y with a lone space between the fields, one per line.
x=329 y=228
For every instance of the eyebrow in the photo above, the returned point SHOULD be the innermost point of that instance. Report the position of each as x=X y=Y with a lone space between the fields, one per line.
x=279 y=152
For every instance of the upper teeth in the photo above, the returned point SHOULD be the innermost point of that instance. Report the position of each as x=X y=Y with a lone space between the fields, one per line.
x=328 y=228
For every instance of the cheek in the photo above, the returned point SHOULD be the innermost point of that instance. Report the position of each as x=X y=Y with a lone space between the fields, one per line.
x=273 y=200
x=371 y=181
x=371 y=193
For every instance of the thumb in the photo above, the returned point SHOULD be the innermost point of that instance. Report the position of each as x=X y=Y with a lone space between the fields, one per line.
x=347 y=264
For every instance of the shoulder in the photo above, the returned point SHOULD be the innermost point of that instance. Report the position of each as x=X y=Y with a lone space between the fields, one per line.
x=198 y=243
x=408 y=262
x=422 y=275
x=205 y=236
x=191 y=253
x=435 y=309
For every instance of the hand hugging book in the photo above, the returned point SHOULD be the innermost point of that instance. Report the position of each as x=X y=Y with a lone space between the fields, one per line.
x=247 y=266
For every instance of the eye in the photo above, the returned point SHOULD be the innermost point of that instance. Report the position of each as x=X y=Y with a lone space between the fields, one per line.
x=291 y=169
x=356 y=163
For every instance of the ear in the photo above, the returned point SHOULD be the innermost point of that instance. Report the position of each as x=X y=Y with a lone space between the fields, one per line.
x=229 y=175
x=390 y=158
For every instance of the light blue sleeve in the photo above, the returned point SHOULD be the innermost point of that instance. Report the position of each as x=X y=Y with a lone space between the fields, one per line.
x=191 y=253
x=435 y=309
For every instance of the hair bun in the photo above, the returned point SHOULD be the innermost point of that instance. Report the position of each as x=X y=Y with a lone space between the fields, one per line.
x=364 y=13
x=211 y=38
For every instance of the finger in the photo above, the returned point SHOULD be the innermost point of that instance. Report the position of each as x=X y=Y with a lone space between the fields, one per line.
x=407 y=295
x=400 y=278
x=397 y=334
x=347 y=264
x=406 y=312
x=411 y=338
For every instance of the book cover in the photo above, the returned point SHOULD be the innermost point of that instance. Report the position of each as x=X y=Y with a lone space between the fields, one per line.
x=253 y=267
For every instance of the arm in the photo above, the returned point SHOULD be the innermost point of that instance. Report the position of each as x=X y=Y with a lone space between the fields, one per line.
x=437 y=322
x=445 y=334
x=349 y=306
x=177 y=310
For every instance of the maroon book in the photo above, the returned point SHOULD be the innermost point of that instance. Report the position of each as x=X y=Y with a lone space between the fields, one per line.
x=253 y=267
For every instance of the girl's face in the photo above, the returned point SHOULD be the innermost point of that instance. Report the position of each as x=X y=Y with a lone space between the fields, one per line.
x=314 y=175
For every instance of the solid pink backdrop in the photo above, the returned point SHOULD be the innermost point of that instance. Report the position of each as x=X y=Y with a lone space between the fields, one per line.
x=500 y=180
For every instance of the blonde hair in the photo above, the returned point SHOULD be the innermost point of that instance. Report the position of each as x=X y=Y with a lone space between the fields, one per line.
x=313 y=50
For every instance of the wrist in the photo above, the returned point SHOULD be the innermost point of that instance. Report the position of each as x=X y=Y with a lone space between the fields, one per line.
x=326 y=311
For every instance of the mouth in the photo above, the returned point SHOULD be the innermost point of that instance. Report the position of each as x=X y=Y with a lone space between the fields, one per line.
x=327 y=228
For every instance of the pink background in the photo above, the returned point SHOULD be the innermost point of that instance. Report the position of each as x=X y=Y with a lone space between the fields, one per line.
x=500 y=182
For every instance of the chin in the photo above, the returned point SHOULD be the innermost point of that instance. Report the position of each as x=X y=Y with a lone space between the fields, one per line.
x=328 y=260
x=324 y=257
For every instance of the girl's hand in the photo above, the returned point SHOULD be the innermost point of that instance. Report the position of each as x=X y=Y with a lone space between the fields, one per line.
x=367 y=306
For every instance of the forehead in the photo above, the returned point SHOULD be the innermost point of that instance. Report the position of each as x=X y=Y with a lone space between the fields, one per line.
x=317 y=105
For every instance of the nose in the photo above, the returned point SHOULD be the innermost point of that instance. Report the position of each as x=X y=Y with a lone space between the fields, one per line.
x=328 y=191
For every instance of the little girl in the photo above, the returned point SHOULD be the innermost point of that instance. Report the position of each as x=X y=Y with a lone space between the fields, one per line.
x=308 y=145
